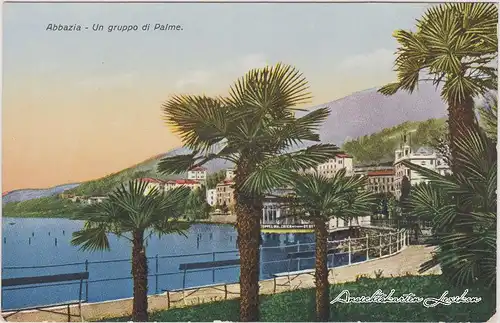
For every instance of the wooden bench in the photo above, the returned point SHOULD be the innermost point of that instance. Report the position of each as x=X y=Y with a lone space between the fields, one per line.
x=296 y=273
x=202 y=266
x=40 y=280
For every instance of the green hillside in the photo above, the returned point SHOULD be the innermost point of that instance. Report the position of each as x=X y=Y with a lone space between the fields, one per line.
x=104 y=185
x=379 y=147
x=52 y=207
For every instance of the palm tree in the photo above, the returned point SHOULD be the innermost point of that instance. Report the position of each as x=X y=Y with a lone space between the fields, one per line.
x=455 y=44
x=318 y=199
x=129 y=212
x=254 y=127
x=465 y=256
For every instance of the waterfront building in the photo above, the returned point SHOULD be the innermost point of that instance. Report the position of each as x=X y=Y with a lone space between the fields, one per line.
x=276 y=215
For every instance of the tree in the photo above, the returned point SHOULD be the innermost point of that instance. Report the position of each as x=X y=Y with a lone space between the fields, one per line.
x=130 y=213
x=456 y=45
x=465 y=256
x=254 y=128
x=196 y=205
x=215 y=178
x=318 y=199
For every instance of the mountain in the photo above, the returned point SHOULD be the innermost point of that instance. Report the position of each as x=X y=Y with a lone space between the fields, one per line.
x=29 y=194
x=353 y=116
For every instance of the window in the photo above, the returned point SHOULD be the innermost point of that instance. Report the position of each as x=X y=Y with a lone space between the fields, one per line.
x=340 y=161
x=431 y=162
x=422 y=162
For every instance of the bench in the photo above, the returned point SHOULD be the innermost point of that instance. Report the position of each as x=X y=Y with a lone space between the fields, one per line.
x=202 y=266
x=296 y=273
x=39 y=280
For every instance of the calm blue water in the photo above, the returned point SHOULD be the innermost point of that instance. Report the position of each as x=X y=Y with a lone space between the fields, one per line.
x=28 y=242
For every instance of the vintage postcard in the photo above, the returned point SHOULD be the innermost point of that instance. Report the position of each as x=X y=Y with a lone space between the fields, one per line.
x=254 y=162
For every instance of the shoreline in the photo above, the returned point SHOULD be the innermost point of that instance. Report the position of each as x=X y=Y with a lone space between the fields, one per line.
x=227 y=220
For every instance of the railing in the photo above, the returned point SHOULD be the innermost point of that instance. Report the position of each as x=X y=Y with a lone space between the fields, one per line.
x=362 y=248
x=401 y=223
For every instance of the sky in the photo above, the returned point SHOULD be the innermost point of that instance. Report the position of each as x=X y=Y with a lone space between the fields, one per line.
x=80 y=105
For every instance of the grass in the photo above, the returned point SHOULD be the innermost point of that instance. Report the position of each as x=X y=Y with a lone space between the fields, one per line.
x=299 y=306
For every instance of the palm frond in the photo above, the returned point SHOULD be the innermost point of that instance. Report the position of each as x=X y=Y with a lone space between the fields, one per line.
x=91 y=239
x=279 y=171
x=454 y=44
x=200 y=121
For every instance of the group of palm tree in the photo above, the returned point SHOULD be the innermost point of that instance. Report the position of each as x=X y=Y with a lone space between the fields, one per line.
x=256 y=128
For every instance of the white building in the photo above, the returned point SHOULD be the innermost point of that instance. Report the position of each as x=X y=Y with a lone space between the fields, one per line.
x=197 y=173
x=153 y=183
x=341 y=161
x=424 y=157
x=191 y=184
x=275 y=212
x=230 y=174
x=212 y=196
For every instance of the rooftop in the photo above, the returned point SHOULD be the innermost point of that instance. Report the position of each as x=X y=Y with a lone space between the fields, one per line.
x=384 y=172
x=198 y=169
x=226 y=182
x=151 y=180
x=344 y=156
x=183 y=181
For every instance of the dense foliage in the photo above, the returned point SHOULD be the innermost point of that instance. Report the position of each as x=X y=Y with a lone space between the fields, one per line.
x=42 y=207
x=215 y=178
x=298 y=306
x=380 y=146
x=466 y=241
x=196 y=207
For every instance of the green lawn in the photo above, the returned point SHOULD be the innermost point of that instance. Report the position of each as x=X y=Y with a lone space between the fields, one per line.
x=298 y=305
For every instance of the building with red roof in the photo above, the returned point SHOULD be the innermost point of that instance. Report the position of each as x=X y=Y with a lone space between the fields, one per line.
x=381 y=181
x=197 y=173
x=190 y=183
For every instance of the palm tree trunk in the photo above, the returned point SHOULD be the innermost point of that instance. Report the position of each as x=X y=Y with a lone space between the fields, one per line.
x=461 y=117
x=321 y=274
x=248 y=226
x=248 y=214
x=140 y=276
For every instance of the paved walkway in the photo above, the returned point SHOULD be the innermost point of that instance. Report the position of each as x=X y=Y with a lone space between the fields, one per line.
x=406 y=261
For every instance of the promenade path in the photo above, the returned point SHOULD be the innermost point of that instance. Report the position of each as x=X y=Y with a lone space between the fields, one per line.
x=407 y=261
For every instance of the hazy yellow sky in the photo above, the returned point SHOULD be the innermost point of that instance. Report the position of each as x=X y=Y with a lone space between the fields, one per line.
x=80 y=105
